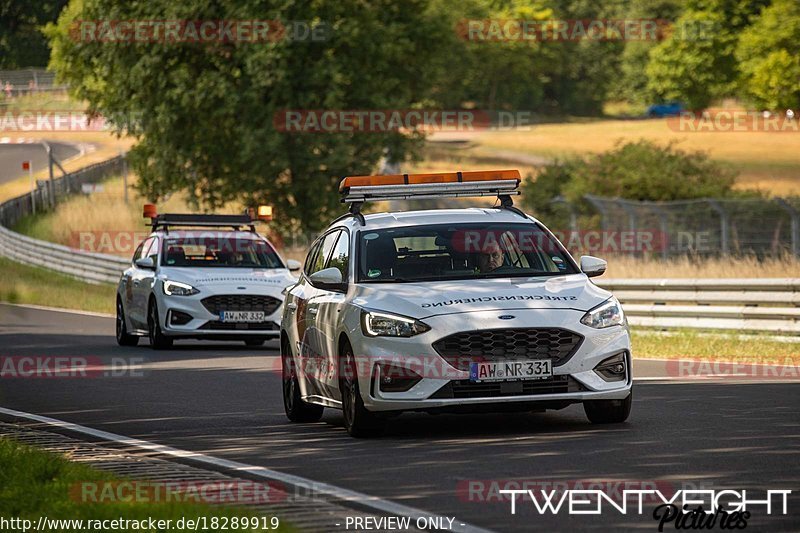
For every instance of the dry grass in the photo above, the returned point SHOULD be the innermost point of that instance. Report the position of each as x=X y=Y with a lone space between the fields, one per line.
x=768 y=161
x=105 y=145
x=103 y=212
x=733 y=267
x=687 y=344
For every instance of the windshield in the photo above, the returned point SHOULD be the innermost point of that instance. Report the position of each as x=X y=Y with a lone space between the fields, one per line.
x=460 y=251
x=219 y=252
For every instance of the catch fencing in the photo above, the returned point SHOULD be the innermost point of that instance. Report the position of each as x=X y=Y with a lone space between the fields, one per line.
x=764 y=227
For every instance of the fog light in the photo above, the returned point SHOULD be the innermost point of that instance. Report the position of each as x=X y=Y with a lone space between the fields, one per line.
x=179 y=318
x=396 y=378
x=612 y=368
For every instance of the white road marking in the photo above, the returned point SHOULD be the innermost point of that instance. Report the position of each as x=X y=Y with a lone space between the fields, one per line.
x=363 y=500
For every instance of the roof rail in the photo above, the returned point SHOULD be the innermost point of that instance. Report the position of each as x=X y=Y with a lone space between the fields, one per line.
x=168 y=220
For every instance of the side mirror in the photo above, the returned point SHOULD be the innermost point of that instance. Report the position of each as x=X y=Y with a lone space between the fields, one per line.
x=592 y=266
x=146 y=263
x=293 y=265
x=328 y=278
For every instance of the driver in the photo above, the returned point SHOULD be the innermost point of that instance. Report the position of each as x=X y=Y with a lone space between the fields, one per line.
x=490 y=258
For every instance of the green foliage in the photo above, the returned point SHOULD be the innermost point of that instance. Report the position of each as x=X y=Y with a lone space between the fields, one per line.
x=769 y=56
x=640 y=170
x=205 y=112
x=22 y=44
x=696 y=64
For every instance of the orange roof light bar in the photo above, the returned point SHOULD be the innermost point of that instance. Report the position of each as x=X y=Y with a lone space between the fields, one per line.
x=358 y=189
x=418 y=179
x=149 y=211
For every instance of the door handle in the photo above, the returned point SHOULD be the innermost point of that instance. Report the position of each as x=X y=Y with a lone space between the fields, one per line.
x=291 y=306
x=313 y=311
x=136 y=283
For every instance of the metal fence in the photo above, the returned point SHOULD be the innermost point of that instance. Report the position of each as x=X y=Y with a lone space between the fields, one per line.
x=24 y=81
x=703 y=227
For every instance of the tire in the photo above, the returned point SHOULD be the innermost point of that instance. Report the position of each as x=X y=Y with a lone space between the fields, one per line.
x=608 y=411
x=359 y=422
x=296 y=409
x=123 y=337
x=254 y=342
x=158 y=341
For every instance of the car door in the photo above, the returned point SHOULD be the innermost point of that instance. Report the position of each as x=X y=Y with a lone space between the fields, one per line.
x=329 y=304
x=142 y=281
x=314 y=360
x=126 y=287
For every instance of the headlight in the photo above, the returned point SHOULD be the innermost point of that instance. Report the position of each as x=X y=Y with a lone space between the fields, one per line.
x=176 y=288
x=376 y=324
x=604 y=315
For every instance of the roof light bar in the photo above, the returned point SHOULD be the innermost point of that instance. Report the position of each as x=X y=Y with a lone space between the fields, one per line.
x=357 y=189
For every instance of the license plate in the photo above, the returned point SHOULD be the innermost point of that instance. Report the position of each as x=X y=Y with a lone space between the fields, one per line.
x=242 y=316
x=511 y=370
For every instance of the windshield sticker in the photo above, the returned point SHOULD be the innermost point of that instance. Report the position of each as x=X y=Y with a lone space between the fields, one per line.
x=370 y=236
x=523 y=297
x=373 y=273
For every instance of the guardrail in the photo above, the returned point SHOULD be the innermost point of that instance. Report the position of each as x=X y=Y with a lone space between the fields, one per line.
x=768 y=305
x=771 y=305
x=90 y=267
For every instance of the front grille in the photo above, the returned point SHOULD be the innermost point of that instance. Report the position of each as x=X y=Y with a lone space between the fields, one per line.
x=461 y=349
x=466 y=389
x=240 y=326
x=241 y=302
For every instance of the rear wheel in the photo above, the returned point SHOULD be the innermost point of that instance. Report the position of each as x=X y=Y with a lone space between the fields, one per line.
x=123 y=337
x=359 y=422
x=608 y=411
x=296 y=409
x=158 y=341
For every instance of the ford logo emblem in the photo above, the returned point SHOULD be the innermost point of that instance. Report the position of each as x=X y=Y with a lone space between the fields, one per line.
x=506 y=317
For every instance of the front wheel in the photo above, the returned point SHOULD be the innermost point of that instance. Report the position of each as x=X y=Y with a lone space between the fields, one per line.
x=608 y=411
x=359 y=422
x=123 y=337
x=296 y=409
x=158 y=341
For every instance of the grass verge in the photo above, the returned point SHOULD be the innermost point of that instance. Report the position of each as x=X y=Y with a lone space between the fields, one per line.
x=31 y=285
x=35 y=484
x=734 y=347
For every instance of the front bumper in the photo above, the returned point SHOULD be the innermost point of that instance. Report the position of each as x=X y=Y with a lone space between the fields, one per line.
x=204 y=324
x=573 y=381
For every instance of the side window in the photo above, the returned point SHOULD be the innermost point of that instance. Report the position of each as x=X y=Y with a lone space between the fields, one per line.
x=152 y=251
x=310 y=258
x=138 y=253
x=324 y=251
x=144 y=248
x=340 y=258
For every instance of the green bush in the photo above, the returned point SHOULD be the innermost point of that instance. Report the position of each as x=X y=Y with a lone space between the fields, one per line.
x=638 y=170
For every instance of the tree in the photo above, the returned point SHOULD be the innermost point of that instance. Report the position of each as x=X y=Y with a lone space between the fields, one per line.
x=769 y=55
x=22 y=44
x=205 y=114
x=696 y=64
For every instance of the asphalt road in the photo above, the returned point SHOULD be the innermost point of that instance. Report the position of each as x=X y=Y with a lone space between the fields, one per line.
x=225 y=400
x=12 y=156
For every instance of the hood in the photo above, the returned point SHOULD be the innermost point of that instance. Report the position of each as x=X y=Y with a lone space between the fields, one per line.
x=252 y=278
x=420 y=300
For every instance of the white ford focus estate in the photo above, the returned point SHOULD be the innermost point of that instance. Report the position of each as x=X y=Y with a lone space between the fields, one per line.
x=449 y=310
